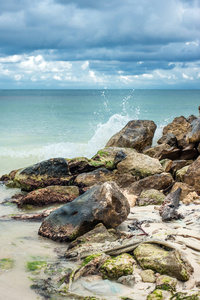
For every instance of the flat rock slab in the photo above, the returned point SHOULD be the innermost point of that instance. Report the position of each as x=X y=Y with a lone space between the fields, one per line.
x=101 y=204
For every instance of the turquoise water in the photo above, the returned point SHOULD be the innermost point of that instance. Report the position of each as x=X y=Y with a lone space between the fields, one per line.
x=39 y=124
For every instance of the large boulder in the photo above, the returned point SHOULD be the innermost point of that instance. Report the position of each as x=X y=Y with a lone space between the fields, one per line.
x=101 y=204
x=153 y=256
x=137 y=134
x=192 y=175
x=53 y=171
x=50 y=195
x=102 y=175
x=159 y=182
x=179 y=127
x=140 y=165
x=150 y=197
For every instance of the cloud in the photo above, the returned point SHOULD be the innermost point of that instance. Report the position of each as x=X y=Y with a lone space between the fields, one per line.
x=72 y=40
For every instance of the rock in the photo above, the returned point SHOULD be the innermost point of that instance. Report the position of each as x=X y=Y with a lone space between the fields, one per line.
x=33 y=216
x=185 y=189
x=179 y=164
x=166 y=164
x=193 y=134
x=109 y=157
x=49 y=172
x=137 y=134
x=50 y=195
x=99 y=234
x=169 y=208
x=150 y=197
x=191 y=198
x=191 y=295
x=140 y=165
x=180 y=174
x=189 y=152
x=159 y=295
x=171 y=153
x=191 y=118
x=119 y=266
x=148 y=276
x=169 y=139
x=102 y=175
x=179 y=127
x=152 y=256
x=128 y=280
x=79 y=165
x=101 y=204
x=159 y=182
x=164 y=282
x=157 y=151
x=192 y=175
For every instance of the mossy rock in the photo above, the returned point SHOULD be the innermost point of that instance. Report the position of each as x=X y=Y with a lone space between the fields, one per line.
x=158 y=295
x=121 y=265
x=6 y=263
x=154 y=257
x=151 y=197
x=185 y=296
x=167 y=283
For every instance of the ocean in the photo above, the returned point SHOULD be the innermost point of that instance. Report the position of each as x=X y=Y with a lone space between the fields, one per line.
x=40 y=124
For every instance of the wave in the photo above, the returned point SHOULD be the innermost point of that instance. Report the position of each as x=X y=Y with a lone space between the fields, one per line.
x=14 y=158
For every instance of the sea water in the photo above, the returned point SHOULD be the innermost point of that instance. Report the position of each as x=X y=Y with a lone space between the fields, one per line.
x=41 y=124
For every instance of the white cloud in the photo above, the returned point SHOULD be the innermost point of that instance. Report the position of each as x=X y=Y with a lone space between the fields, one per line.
x=58 y=78
x=85 y=65
x=17 y=77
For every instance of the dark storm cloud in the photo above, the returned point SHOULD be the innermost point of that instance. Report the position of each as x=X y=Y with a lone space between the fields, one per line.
x=129 y=36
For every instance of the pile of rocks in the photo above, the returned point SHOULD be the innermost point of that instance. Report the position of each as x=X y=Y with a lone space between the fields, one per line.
x=127 y=172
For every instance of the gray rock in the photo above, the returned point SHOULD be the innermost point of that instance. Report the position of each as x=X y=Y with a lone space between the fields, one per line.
x=101 y=204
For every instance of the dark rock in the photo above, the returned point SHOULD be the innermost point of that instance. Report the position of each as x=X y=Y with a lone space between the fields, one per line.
x=158 y=182
x=171 y=153
x=49 y=172
x=191 y=118
x=168 y=209
x=50 y=195
x=101 y=204
x=179 y=164
x=157 y=151
x=137 y=134
x=169 y=139
x=79 y=165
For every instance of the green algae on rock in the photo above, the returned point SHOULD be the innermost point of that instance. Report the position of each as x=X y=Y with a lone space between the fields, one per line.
x=152 y=256
x=119 y=266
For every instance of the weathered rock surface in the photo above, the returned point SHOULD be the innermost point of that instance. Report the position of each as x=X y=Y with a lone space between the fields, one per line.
x=169 y=139
x=164 y=282
x=118 y=266
x=140 y=165
x=185 y=189
x=101 y=204
x=151 y=256
x=158 y=182
x=166 y=164
x=50 y=195
x=137 y=134
x=148 y=276
x=54 y=171
x=180 y=174
x=102 y=175
x=193 y=134
x=179 y=127
x=109 y=157
x=169 y=208
x=79 y=165
x=179 y=164
x=150 y=197
x=158 y=151
x=192 y=175
x=99 y=234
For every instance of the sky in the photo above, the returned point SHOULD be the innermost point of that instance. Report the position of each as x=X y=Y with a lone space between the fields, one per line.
x=59 y=44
